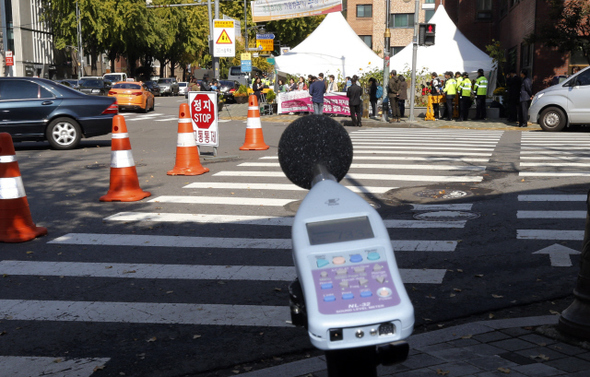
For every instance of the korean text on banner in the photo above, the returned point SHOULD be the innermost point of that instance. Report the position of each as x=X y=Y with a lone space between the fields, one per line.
x=269 y=10
x=204 y=118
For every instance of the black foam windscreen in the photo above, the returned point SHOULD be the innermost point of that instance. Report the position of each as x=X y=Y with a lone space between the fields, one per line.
x=313 y=140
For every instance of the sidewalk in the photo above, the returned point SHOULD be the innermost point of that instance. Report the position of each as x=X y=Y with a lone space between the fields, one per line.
x=510 y=347
x=240 y=112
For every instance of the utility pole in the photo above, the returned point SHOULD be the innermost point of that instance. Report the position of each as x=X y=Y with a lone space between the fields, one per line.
x=216 y=59
x=386 y=54
x=414 y=58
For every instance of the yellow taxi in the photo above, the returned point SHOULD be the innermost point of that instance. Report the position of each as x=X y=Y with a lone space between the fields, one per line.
x=133 y=95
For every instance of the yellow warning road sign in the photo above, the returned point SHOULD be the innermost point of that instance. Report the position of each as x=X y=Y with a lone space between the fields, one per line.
x=224 y=39
x=267 y=44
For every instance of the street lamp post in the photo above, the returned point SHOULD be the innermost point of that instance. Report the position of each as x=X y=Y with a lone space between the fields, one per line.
x=80 y=54
x=414 y=58
x=386 y=54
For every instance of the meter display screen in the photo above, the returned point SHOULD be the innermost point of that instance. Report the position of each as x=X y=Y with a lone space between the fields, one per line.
x=341 y=230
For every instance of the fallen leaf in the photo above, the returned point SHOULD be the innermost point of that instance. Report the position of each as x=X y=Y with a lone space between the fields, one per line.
x=107 y=267
x=441 y=325
x=277 y=358
x=491 y=315
x=441 y=372
x=540 y=357
x=247 y=369
x=497 y=296
x=278 y=289
x=554 y=312
x=197 y=336
x=504 y=370
x=478 y=275
x=152 y=339
x=99 y=367
x=452 y=295
x=58 y=360
x=30 y=252
x=459 y=270
x=456 y=289
x=168 y=292
x=467 y=336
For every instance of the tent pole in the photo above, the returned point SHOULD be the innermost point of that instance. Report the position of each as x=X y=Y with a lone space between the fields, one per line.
x=386 y=54
x=414 y=58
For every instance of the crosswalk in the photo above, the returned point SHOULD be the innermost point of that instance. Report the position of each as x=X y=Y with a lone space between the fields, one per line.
x=256 y=194
x=554 y=155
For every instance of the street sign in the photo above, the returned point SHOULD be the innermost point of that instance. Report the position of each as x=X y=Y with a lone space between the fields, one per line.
x=246 y=62
x=270 y=60
x=224 y=38
x=267 y=44
x=204 y=118
x=9 y=58
x=265 y=36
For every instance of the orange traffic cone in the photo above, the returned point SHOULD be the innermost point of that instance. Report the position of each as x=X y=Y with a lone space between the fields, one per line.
x=16 y=223
x=254 y=138
x=124 y=182
x=187 y=153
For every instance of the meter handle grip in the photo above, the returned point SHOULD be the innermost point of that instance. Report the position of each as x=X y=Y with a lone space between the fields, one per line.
x=321 y=173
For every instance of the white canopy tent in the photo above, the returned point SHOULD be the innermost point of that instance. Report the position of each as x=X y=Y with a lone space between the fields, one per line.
x=452 y=51
x=332 y=48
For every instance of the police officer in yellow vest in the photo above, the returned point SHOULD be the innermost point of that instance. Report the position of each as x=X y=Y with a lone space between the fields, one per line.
x=459 y=79
x=450 y=91
x=480 y=88
x=465 y=92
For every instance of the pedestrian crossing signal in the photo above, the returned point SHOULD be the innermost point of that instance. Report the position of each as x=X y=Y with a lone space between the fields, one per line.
x=426 y=34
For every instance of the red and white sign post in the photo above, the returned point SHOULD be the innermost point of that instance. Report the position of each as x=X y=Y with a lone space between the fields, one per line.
x=204 y=118
x=9 y=58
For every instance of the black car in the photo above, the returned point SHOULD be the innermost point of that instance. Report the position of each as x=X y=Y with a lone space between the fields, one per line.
x=227 y=88
x=36 y=109
x=153 y=87
x=72 y=83
x=94 y=87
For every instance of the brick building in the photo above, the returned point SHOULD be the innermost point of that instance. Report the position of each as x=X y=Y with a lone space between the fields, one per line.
x=481 y=21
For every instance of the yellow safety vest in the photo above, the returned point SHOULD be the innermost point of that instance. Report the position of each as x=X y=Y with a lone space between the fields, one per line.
x=466 y=87
x=450 y=87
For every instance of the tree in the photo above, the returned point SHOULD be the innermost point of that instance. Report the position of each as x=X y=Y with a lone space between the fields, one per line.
x=567 y=28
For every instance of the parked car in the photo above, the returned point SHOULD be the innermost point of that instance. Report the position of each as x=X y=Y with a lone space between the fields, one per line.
x=68 y=82
x=564 y=104
x=227 y=89
x=133 y=95
x=168 y=86
x=95 y=87
x=153 y=87
x=182 y=87
x=36 y=109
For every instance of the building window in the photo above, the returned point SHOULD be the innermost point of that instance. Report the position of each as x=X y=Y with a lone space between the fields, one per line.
x=428 y=14
x=484 y=9
x=503 y=7
x=428 y=1
x=396 y=49
x=511 y=60
x=368 y=39
x=364 y=11
x=526 y=56
x=401 y=21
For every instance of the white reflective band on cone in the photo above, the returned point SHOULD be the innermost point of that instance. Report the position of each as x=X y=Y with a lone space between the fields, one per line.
x=7 y=159
x=186 y=139
x=253 y=108
x=253 y=123
x=122 y=159
x=12 y=188
x=184 y=120
x=120 y=136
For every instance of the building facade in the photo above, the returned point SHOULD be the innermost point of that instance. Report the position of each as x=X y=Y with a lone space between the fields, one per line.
x=481 y=21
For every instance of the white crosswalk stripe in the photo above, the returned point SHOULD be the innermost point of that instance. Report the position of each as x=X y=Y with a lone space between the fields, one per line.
x=554 y=155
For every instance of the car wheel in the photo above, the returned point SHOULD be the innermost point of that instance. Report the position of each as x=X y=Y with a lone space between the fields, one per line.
x=552 y=119
x=63 y=133
x=153 y=104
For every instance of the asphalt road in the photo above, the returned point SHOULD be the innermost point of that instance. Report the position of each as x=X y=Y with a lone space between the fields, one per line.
x=484 y=223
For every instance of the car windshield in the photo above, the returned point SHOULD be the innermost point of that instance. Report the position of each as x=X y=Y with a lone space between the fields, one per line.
x=182 y=84
x=126 y=86
x=91 y=82
x=164 y=81
x=113 y=77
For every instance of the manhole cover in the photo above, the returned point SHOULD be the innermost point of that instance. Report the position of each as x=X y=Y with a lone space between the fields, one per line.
x=446 y=215
x=443 y=194
x=96 y=166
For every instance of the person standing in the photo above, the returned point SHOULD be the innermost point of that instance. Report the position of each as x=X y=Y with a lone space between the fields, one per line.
x=481 y=91
x=257 y=88
x=526 y=95
x=450 y=91
x=513 y=85
x=317 y=90
x=373 y=95
x=393 y=94
x=292 y=85
x=465 y=91
x=354 y=93
x=403 y=95
x=301 y=84
x=348 y=82
x=435 y=90
x=331 y=85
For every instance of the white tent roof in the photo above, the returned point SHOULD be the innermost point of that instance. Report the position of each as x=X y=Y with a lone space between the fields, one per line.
x=332 y=48
x=452 y=51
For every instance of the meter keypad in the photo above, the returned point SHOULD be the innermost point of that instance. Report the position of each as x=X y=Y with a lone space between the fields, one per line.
x=353 y=281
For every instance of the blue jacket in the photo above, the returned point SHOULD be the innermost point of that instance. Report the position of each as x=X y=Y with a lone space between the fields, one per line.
x=317 y=90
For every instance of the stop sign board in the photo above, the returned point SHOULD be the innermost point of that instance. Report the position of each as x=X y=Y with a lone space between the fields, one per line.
x=204 y=117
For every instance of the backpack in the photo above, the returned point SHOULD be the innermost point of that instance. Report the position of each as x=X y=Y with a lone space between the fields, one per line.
x=379 y=91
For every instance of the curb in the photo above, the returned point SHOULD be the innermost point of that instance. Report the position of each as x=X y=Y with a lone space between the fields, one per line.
x=417 y=342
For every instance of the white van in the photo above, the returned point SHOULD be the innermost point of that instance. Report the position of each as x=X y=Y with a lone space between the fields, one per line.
x=235 y=74
x=564 y=104
x=115 y=77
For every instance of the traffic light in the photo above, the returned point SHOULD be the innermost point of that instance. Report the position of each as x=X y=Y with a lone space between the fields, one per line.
x=426 y=34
